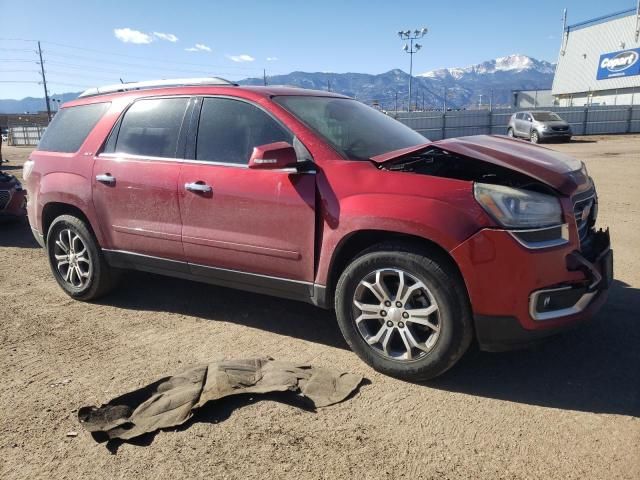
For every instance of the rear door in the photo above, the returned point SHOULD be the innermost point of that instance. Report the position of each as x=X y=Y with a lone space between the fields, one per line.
x=135 y=179
x=261 y=222
x=518 y=123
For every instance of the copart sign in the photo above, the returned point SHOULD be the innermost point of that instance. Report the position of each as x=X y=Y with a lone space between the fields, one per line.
x=619 y=64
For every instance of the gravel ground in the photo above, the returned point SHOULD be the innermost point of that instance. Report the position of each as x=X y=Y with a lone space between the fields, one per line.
x=569 y=408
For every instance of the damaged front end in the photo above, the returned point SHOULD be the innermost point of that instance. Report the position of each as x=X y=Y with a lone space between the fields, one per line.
x=541 y=266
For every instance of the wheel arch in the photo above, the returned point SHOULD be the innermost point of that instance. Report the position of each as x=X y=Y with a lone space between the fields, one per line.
x=53 y=210
x=358 y=241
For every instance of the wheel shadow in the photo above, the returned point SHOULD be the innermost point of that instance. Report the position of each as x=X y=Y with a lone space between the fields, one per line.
x=595 y=368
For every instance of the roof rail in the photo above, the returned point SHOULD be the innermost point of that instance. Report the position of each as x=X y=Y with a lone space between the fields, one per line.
x=169 y=82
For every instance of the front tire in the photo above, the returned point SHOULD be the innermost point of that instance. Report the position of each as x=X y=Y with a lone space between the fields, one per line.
x=535 y=137
x=76 y=259
x=510 y=133
x=404 y=312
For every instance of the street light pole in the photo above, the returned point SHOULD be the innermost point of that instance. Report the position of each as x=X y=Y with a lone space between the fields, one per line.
x=409 y=48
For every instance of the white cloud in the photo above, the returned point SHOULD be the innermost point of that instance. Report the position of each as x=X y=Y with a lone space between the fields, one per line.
x=169 y=37
x=272 y=59
x=127 y=35
x=241 y=58
x=199 y=47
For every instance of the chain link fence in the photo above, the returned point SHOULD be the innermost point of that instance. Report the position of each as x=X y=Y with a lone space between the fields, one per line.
x=591 y=120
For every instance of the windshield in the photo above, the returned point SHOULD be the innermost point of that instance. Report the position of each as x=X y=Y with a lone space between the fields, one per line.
x=356 y=131
x=545 y=116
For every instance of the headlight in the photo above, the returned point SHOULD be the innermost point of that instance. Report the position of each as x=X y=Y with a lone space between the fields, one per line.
x=511 y=207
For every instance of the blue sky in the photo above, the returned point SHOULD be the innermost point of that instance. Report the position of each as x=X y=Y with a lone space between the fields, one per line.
x=90 y=43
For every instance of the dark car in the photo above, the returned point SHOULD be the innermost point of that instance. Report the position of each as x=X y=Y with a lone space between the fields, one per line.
x=12 y=197
x=418 y=246
x=539 y=126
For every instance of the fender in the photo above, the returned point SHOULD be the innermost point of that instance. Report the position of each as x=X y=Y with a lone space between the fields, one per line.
x=443 y=223
x=76 y=192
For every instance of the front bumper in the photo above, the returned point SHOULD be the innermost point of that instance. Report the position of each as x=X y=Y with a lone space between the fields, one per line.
x=548 y=134
x=520 y=295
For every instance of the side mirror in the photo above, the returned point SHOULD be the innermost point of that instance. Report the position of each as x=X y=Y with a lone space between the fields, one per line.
x=273 y=156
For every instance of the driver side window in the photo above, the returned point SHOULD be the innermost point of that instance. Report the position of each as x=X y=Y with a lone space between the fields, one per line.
x=229 y=130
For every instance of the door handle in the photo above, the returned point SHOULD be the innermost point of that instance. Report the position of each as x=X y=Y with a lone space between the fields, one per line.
x=106 y=178
x=198 y=187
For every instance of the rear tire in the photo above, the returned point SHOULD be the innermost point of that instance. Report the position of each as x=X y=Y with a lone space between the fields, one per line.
x=76 y=260
x=395 y=333
x=510 y=133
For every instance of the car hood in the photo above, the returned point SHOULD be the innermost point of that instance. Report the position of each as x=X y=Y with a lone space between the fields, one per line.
x=561 y=172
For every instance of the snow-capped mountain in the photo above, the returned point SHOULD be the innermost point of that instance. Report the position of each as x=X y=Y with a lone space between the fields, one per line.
x=463 y=85
x=511 y=63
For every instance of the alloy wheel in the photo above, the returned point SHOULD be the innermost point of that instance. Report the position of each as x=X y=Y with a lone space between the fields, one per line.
x=396 y=314
x=72 y=259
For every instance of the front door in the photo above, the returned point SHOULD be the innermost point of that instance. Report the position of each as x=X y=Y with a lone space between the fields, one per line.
x=135 y=181
x=235 y=219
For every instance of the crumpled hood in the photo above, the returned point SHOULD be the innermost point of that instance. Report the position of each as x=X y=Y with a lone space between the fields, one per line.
x=561 y=172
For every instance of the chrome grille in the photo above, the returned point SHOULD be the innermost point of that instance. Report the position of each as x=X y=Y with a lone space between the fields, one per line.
x=5 y=196
x=584 y=211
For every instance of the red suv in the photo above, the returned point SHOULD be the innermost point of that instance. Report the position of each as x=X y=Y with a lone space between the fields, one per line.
x=419 y=246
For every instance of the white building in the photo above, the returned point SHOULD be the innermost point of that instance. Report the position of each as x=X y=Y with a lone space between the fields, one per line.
x=599 y=62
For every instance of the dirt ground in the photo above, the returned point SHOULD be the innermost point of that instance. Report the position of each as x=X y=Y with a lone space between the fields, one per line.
x=569 y=408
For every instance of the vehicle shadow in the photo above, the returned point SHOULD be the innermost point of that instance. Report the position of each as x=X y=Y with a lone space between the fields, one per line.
x=16 y=233
x=142 y=291
x=595 y=368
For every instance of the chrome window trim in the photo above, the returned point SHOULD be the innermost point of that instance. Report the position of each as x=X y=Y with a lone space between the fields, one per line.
x=578 y=307
x=168 y=159
x=562 y=240
x=123 y=156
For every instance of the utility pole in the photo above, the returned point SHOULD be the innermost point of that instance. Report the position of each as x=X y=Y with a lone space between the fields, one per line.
x=44 y=82
x=264 y=76
x=411 y=36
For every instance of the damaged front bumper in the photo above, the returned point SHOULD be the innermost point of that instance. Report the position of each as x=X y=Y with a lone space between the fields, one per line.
x=521 y=295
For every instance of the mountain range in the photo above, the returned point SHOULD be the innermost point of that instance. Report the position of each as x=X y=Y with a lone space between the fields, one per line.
x=494 y=79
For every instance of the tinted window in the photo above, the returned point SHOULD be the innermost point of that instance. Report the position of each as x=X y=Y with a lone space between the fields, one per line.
x=229 y=129
x=151 y=127
x=70 y=127
x=520 y=116
x=546 y=116
x=355 y=130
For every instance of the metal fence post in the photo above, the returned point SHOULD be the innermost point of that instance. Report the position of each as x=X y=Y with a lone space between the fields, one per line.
x=629 y=118
x=586 y=119
x=444 y=124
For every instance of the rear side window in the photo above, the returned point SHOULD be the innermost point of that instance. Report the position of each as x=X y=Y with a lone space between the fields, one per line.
x=229 y=129
x=151 y=127
x=70 y=127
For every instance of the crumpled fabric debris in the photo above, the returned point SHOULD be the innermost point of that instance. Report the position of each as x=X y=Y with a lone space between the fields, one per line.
x=171 y=401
